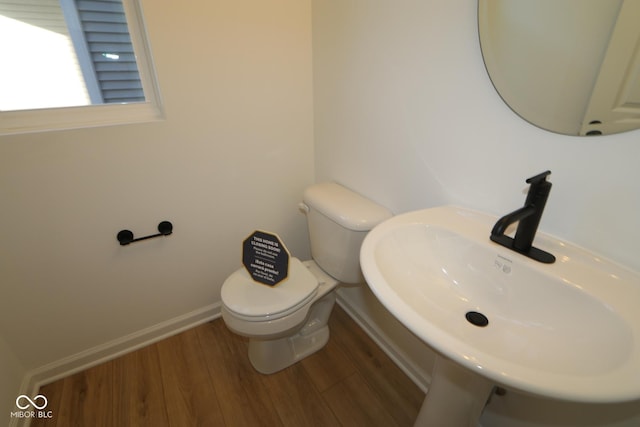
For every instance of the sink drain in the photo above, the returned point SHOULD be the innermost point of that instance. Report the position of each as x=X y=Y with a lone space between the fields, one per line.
x=477 y=319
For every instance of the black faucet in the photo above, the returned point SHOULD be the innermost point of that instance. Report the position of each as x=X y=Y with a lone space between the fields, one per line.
x=528 y=218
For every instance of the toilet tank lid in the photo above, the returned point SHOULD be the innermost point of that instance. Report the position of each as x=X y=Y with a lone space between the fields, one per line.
x=347 y=208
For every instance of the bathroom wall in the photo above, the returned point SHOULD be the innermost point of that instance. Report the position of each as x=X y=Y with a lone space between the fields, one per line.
x=406 y=115
x=233 y=154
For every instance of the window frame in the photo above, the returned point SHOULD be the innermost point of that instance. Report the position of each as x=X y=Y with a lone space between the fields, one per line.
x=87 y=116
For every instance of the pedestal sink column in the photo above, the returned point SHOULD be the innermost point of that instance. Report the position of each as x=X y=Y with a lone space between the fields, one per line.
x=456 y=396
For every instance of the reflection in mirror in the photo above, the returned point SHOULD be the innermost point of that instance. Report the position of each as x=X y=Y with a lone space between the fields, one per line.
x=568 y=66
x=66 y=53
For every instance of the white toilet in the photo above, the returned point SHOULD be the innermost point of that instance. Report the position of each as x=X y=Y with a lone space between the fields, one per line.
x=288 y=322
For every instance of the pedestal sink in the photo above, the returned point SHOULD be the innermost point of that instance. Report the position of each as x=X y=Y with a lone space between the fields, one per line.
x=568 y=330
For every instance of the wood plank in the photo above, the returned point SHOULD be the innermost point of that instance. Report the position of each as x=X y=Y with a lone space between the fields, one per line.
x=296 y=400
x=189 y=394
x=328 y=366
x=53 y=393
x=87 y=398
x=397 y=393
x=138 y=395
x=244 y=400
x=355 y=404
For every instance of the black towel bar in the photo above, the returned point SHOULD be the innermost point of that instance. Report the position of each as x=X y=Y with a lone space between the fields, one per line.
x=126 y=236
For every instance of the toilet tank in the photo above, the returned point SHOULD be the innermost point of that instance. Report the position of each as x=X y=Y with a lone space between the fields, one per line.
x=338 y=220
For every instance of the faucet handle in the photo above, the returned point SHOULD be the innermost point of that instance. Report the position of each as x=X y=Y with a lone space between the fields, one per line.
x=541 y=177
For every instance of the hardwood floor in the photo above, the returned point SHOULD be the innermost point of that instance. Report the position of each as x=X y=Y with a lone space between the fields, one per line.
x=203 y=377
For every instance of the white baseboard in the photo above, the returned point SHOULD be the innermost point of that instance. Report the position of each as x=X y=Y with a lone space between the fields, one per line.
x=34 y=379
x=118 y=347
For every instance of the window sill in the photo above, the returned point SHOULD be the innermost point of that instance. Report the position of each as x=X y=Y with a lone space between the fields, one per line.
x=43 y=120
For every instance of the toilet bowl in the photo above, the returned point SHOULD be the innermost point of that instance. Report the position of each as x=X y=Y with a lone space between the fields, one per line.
x=280 y=331
x=288 y=321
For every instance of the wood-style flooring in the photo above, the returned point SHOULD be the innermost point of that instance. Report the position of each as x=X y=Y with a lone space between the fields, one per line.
x=203 y=377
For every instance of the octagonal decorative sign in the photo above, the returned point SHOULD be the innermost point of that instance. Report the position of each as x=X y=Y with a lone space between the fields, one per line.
x=265 y=257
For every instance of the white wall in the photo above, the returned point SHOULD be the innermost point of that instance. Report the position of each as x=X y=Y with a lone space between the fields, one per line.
x=406 y=115
x=234 y=154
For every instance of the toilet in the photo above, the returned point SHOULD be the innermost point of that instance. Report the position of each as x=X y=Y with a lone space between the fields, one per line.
x=287 y=322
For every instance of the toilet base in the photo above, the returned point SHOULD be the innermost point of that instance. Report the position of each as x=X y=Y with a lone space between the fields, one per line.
x=269 y=356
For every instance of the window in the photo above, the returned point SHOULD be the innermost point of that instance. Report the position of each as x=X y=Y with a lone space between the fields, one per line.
x=74 y=63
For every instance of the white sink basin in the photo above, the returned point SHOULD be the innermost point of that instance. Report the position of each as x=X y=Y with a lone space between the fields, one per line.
x=568 y=330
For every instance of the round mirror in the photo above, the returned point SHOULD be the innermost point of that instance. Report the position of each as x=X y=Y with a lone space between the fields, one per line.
x=567 y=66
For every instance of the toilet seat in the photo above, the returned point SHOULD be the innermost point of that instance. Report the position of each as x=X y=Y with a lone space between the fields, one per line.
x=255 y=302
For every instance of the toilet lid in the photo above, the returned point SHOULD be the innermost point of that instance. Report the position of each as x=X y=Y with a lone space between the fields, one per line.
x=241 y=295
